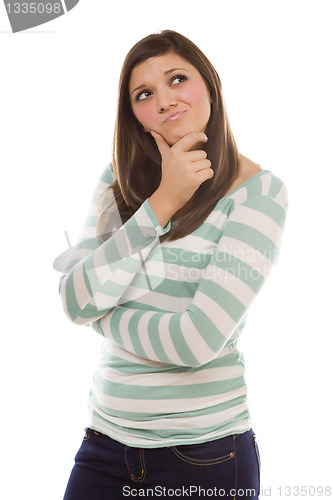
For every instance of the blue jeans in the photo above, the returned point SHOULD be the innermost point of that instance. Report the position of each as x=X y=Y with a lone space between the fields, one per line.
x=108 y=470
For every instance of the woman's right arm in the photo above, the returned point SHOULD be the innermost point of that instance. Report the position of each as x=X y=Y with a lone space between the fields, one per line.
x=98 y=274
x=102 y=279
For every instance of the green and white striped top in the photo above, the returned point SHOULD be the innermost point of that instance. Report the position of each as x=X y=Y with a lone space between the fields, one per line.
x=170 y=313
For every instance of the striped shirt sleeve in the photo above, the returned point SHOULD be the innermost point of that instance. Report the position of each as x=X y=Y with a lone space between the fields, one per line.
x=97 y=274
x=244 y=256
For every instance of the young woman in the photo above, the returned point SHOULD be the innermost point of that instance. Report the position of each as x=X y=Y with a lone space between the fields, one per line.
x=173 y=253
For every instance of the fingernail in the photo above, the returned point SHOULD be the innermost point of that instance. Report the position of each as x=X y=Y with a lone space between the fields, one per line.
x=206 y=138
x=150 y=132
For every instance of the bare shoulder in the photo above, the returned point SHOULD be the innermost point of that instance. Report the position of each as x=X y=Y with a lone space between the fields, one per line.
x=247 y=168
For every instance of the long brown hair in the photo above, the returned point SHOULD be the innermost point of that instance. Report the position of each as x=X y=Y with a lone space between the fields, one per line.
x=136 y=160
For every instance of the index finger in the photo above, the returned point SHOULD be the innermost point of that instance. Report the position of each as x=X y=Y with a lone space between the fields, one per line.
x=188 y=140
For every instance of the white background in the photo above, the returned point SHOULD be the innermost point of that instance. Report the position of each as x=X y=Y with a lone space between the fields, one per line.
x=58 y=97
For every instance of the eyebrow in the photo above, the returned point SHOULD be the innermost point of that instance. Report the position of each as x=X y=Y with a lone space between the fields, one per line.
x=166 y=73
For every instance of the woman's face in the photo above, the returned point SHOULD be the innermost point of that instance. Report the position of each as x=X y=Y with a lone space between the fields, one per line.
x=168 y=95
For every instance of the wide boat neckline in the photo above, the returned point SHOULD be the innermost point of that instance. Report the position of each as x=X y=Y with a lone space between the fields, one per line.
x=245 y=182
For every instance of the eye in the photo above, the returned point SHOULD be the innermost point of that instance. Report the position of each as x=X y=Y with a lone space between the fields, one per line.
x=182 y=78
x=141 y=96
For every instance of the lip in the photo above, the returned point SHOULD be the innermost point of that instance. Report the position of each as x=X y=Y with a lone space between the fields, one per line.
x=174 y=115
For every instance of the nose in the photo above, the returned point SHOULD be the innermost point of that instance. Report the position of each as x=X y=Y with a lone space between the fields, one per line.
x=166 y=99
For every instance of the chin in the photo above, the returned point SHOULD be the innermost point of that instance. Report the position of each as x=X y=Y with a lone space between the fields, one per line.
x=176 y=136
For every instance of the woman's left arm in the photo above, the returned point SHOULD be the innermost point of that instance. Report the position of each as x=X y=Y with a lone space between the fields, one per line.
x=242 y=261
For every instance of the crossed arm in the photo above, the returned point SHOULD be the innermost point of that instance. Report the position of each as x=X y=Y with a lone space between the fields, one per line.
x=237 y=271
x=100 y=275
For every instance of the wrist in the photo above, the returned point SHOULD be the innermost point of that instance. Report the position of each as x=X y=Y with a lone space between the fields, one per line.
x=162 y=207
